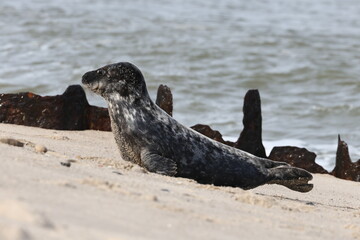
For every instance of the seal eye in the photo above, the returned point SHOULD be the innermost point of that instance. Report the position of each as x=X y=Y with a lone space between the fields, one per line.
x=101 y=72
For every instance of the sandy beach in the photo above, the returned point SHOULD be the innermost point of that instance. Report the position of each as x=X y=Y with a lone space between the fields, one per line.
x=81 y=189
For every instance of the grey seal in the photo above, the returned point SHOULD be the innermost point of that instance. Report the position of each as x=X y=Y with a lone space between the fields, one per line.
x=149 y=137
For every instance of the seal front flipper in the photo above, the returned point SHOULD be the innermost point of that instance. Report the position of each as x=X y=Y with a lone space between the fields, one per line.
x=153 y=162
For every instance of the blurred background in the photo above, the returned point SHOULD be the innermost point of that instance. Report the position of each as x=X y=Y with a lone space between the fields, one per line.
x=302 y=55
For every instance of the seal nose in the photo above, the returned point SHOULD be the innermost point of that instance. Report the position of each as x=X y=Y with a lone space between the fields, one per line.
x=86 y=78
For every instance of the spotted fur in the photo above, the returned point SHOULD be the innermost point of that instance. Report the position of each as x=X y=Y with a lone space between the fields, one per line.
x=148 y=136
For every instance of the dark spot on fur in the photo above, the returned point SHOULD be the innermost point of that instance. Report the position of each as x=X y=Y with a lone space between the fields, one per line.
x=124 y=91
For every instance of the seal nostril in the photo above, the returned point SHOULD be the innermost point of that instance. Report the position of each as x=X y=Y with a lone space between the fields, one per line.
x=88 y=77
x=85 y=78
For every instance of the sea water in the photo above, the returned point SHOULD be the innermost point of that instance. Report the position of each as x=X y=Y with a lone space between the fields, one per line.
x=302 y=55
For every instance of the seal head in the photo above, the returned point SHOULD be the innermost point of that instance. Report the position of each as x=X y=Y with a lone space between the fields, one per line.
x=123 y=79
x=148 y=136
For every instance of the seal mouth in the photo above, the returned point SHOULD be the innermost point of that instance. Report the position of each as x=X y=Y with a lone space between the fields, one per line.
x=91 y=81
x=94 y=86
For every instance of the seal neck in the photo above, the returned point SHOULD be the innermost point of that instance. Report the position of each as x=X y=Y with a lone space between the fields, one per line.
x=120 y=106
x=129 y=100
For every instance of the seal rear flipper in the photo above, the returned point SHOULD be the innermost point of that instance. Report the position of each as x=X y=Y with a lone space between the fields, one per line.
x=291 y=177
x=153 y=162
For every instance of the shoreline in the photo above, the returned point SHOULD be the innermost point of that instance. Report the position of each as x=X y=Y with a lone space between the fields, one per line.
x=102 y=196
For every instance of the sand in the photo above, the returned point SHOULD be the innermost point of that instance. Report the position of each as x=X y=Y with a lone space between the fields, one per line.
x=100 y=196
